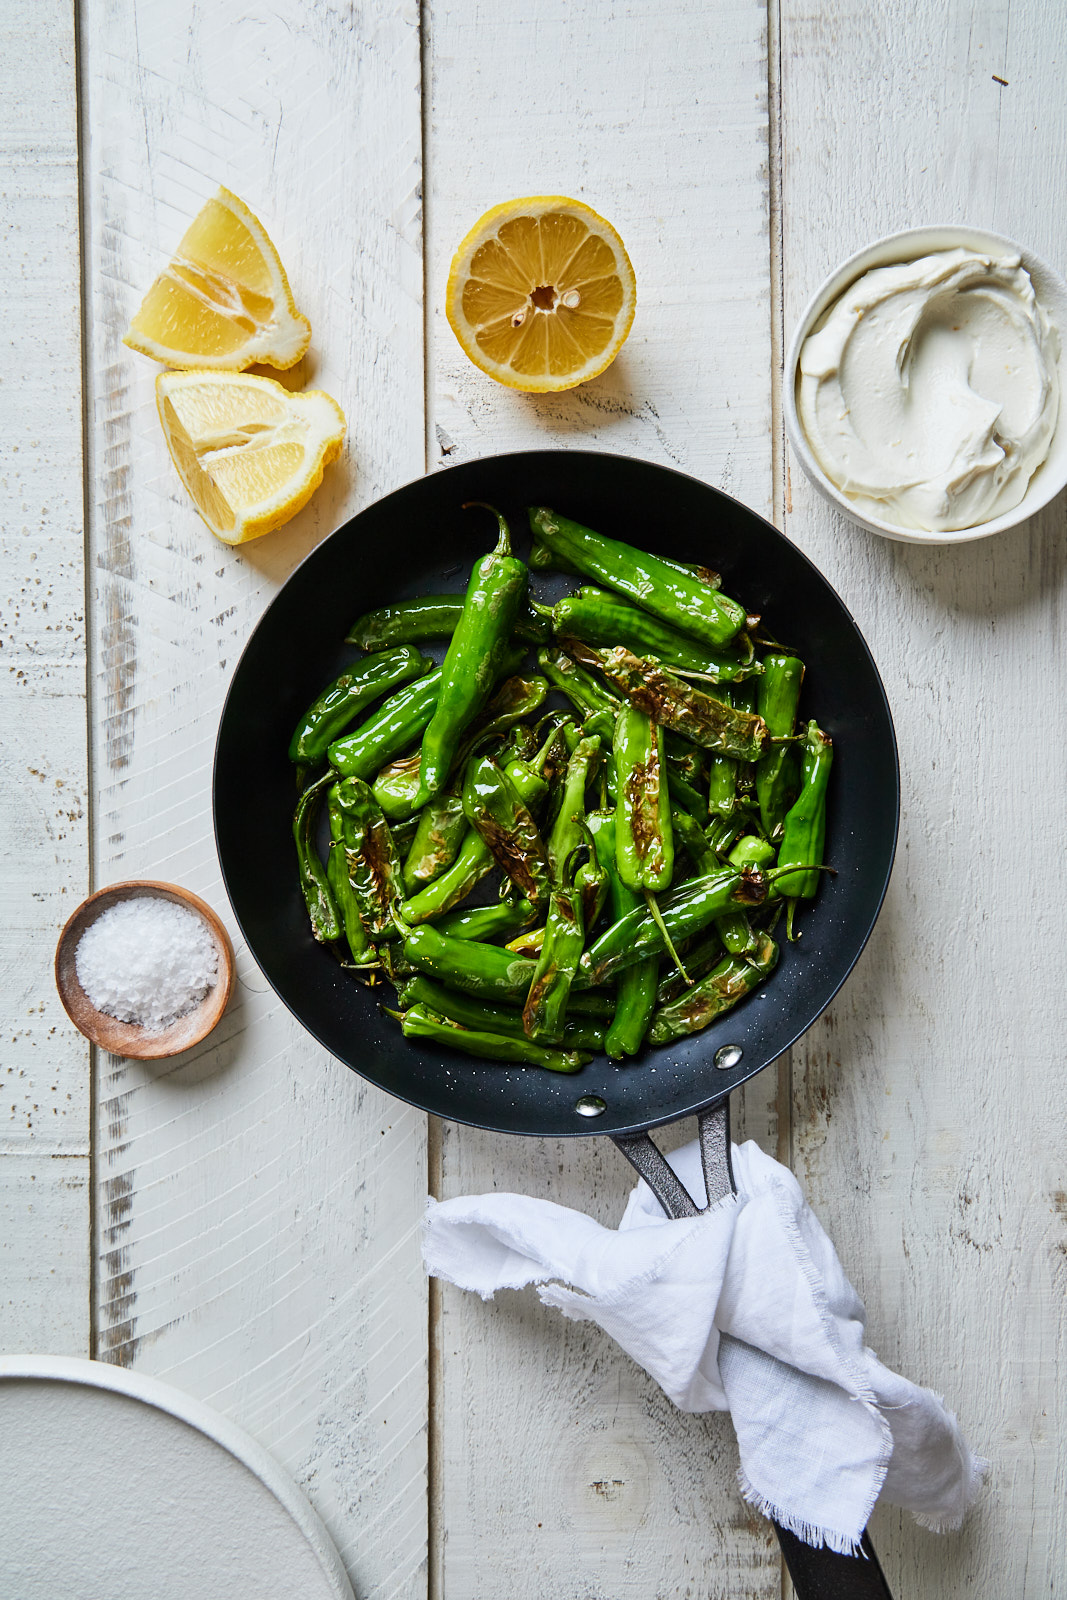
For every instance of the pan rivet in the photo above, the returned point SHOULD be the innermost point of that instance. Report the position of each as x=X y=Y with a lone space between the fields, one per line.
x=590 y=1105
x=728 y=1057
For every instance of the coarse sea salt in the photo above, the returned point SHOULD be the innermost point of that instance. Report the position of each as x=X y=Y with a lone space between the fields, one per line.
x=147 y=960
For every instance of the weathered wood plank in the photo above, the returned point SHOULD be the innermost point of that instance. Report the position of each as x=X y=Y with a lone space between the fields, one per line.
x=560 y=1467
x=929 y=1106
x=44 y=1130
x=256 y=1202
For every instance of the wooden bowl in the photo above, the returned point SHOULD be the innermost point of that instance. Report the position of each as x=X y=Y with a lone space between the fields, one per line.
x=128 y=1038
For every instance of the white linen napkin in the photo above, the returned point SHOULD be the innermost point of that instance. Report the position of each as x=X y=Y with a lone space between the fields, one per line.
x=823 y=1427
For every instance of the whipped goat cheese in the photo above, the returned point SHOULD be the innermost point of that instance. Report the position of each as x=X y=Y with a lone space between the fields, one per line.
x=930 y=393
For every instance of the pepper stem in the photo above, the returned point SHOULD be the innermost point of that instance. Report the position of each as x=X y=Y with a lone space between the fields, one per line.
x=657 y=917
x=503 y=544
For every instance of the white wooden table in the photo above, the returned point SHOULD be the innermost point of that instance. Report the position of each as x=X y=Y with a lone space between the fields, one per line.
x=243 y=1222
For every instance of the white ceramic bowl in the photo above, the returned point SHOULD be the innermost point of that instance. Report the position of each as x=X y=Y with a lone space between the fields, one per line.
x=1051 y=291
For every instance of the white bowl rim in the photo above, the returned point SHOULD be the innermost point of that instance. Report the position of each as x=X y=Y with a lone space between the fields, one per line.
x=925 y=239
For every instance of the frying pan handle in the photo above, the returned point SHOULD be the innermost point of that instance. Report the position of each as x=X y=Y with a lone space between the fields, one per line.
x=817 y=1574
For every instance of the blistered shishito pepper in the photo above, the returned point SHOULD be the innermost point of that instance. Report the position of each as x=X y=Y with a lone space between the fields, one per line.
x=418 y=1023
x=389 y=732
x=568 y=829
x=644 y=839
x=586 y=693
x=474 y=858
x=503 y=920
x=542 y=559
x=676 y=598
x=688 y=832
x=495 y=809
x=314 y=883
x=341 y=702
x=396 y=788
x=606 y=619
x=545 y=1012
x=677 y=704
x=686 y=912
x=583 y=1033
x=359 y=943
x=779 y=696
x=431 y=616
x=475 y=655
x=804 y=830
x=479 y=969
x=441 y=829
x=724 y=986
x=373 y=865
x=635 y=994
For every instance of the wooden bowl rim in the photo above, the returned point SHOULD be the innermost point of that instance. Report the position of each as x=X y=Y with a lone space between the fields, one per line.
x=129 y=1038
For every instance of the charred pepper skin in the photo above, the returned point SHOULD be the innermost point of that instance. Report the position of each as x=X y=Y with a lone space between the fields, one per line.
x=496 y=810
x=644 y=837
x=331 y=712
x=804 y=830
x=475 y=656
x=440 y=831
x=677 y=704
x=779 y=696
x=719 y=992
x=676 y=598
x=545 y=1011
x=605 y=619
x=373 y=865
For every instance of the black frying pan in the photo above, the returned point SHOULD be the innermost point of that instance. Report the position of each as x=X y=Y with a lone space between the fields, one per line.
x=418 y=540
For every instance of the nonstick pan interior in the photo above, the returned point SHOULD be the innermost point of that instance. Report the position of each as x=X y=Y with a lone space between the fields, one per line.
x=419 y=540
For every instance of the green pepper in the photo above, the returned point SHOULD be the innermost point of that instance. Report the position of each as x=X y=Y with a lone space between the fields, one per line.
x=691 y=835
x=586 y=693
x=373 y=865
x=724 y=986
x=567 y=830
x=341 y=702
x=752 y=851
x=479 y=969
x=389 y=732
x=431 y=616
x=542 y=559
x=418 y=1023
x=676 y=598
x=605 y=619
x=359 y=943
x=475 y=655
x=500 y=921
x=779 y=696
x=635 y=995
x=495 y=809
x=644 y=839
x=486 y=1017
x=545 y=1012
x=396 y=788
x=314 y=882
x=474 y=858
x=442 y=827
x=700 y=954
x=804 y=830
x=676 y=704
x=685 y=912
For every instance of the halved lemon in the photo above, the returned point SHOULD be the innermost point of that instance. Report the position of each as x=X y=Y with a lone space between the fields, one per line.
x=541 y=293
x=249 y=452
x=224 y=300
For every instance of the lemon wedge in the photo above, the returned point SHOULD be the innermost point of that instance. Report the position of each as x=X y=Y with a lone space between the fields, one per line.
x=224 y=300
x=541 y=293
x=249 y=452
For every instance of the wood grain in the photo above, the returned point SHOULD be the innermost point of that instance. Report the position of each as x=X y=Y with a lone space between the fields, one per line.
x=560 y=1467
x=44 y=1130
x=929 y=1105
x=256 y=1203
